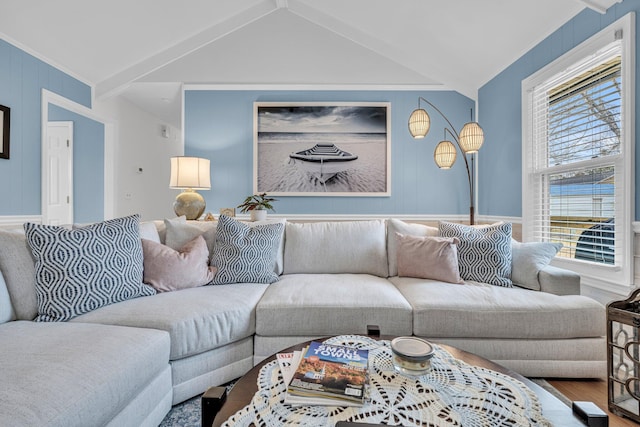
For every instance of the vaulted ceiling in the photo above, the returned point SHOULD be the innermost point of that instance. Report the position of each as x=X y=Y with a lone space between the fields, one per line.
x=144 y=49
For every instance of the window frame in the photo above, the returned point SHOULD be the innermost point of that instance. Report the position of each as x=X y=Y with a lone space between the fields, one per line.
x=619 y=277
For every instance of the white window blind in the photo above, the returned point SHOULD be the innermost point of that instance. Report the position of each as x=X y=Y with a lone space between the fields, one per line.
x=576 y=124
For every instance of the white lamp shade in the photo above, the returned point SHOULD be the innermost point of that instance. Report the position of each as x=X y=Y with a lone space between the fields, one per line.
x=419 y=123
x=190 y=172
x=445 y=154
x=471 y=137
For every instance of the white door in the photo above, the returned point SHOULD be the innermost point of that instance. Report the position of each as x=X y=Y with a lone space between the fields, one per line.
x=58 y=168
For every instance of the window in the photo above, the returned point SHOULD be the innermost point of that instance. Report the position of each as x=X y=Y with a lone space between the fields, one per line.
x=578 y=157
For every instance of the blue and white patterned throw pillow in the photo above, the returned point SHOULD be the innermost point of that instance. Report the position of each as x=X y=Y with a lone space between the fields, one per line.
x=484 y=253
x=245 y=254
x=80 y=270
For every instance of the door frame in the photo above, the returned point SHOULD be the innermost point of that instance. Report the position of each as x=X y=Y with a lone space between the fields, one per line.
x=110 y=133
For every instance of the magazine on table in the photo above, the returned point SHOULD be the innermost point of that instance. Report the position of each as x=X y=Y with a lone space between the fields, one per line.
x=331 y=374
x=288 y=363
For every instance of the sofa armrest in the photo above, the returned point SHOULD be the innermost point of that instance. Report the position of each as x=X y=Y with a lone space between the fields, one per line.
x=559 y=281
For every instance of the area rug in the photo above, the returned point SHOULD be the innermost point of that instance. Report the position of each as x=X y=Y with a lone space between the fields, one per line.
x=187 y=414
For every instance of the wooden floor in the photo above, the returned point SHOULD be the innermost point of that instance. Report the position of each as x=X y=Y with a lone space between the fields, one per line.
x=590 y=390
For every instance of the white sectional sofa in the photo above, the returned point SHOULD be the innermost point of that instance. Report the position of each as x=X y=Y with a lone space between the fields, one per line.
x=126 y=363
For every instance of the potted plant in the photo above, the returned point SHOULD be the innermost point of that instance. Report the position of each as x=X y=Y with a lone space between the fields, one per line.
x=257 y=205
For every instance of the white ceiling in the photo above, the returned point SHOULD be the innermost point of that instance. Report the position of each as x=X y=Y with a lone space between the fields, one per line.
x=144 y=49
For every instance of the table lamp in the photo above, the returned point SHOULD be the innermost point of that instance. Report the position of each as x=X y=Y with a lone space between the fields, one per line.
x=189 y=174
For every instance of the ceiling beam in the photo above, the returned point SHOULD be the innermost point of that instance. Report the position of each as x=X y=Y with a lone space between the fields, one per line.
x=119 y=81
x=600 y=6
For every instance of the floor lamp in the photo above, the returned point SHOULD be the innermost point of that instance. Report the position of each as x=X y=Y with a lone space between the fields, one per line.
x=468 y=141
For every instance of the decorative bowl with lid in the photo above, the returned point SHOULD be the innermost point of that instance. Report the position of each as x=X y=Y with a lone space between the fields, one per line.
x=411 y=355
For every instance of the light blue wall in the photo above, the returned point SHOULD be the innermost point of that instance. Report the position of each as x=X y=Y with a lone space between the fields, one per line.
x=500 y=110
x=88 y=164
x=219 y=126
x=22 y=78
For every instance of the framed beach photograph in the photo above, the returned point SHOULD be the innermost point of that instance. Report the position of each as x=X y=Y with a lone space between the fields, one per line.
x=322 y=148
x=5 y=120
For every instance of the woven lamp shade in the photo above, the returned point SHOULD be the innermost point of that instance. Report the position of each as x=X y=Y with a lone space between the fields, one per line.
x=419 y=123
x=471 y=137
x=445 y=154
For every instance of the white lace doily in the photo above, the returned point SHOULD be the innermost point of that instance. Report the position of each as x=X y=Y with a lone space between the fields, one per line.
x=453 y=393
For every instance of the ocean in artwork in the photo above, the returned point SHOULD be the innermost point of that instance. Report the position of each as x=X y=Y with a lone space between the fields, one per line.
x=278 y=173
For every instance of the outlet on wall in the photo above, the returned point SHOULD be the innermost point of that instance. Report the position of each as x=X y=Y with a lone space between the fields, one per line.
x=128 y=195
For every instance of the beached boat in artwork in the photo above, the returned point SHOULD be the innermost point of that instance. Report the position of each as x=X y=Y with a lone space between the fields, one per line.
x=323 y=161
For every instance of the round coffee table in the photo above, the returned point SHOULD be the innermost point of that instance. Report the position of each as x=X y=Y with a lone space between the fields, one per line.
x=553 y=409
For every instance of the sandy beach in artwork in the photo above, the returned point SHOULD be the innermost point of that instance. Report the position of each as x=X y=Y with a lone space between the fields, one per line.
x=278 y=173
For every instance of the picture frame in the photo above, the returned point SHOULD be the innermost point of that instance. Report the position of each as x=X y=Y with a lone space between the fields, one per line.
x=5 y=122
x=322 y=149
x=228 y=212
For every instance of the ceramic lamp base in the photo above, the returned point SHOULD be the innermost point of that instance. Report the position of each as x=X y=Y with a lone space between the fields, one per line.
x=190 y=204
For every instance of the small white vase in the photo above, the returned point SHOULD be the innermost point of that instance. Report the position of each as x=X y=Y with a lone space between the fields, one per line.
x=258 y=215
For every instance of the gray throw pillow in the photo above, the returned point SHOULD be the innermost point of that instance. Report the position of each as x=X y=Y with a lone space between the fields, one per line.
x=528 y=259
x=245 y=254
x=80 y=270
x=484 y=253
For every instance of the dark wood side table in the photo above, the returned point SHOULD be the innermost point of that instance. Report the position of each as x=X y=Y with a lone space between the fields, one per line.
x=552 y=408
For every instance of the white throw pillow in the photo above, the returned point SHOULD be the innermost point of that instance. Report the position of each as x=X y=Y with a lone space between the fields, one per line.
x=527 y=259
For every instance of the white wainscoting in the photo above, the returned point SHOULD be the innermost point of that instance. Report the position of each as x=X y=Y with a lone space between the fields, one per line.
x=11 y=221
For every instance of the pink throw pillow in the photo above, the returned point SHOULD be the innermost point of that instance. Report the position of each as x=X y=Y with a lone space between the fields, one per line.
x=169 y=270
x=428 y=258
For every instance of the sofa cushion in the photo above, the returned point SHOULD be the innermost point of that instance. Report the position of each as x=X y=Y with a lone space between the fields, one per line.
x=527 y=259
x=336 y=247
x=83 y=269
x=197 y=319
x=74 y=374
x=478 y=310
x=397 y=226
x=169 y=270
x=484 y=253
x=18 y=269
x=330 y=304
x=245 y=254
x=428 y=257
x=6 y=309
